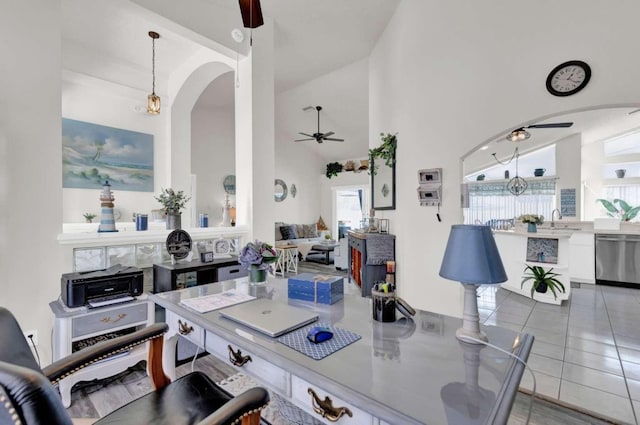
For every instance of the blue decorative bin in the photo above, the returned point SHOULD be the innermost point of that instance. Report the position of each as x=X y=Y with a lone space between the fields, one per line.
x=316 y=287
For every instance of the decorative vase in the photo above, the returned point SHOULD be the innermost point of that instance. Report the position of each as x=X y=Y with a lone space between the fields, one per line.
x=531 y=228
x=257 y=275
x=174 y=221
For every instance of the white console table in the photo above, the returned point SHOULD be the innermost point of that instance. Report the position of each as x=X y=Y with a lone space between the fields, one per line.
x=76 y=328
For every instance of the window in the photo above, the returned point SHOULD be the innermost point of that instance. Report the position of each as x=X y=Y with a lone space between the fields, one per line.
x=491 y=202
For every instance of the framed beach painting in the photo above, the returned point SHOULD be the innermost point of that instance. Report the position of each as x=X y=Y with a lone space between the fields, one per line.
x=93 y=153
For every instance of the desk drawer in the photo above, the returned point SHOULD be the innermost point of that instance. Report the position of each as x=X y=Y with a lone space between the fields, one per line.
x=301 y=397
x=265 y=372
x=185 y=328
x=109 y=319
x=232 y=272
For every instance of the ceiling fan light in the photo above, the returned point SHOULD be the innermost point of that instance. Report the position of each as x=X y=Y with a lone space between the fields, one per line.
x=518 y=135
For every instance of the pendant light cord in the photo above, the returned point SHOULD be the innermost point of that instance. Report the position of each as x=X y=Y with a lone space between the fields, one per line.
x=153 y=65
x=515 y=153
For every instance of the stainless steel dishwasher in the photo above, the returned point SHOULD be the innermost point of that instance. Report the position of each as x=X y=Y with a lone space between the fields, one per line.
x=618 y=260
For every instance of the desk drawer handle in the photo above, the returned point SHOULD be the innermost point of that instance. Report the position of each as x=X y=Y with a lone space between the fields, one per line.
x=108 y=319
x=236 y=358
x=184 y=328
x=325 y=407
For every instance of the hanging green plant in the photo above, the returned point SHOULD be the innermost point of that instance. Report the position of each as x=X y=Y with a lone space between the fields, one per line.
x=333 y=168
x=386 y=151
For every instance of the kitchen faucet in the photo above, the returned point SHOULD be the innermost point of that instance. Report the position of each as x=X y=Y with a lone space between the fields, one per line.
x=553 y=213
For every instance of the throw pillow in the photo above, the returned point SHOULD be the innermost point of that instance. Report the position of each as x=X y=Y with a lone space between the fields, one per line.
x=278 y=233
x=289 y=232
x=310 y=230
x=299 y=230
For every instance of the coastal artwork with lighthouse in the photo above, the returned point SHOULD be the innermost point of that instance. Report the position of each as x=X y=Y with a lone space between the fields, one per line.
x=93 y=153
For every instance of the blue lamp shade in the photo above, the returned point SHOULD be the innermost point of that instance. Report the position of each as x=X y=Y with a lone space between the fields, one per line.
x=472 y=256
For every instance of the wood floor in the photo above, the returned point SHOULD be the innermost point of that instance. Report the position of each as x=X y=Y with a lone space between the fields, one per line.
x=95 y=399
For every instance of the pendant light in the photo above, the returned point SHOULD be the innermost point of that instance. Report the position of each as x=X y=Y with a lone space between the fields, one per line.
x=517 y=185
x=153 y=100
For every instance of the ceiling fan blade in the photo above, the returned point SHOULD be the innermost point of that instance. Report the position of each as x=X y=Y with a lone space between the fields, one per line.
x=305 y=134
x=302 y=140
x=251 y=13
x=551 y=125
x=330 y=133
x=333 y=139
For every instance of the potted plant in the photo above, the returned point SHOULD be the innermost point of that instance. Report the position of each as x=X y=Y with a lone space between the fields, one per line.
x=88 y=217
x=172 y=203
x=333 y=168
x=386 y=151
x=542 y=280
x=625 y=213
x=258 y=257
x=532 y=220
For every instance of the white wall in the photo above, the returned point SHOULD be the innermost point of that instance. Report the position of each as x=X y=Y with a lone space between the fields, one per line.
x=110 y=104
x=212 y=158
x=447 y=76
x=30 y=164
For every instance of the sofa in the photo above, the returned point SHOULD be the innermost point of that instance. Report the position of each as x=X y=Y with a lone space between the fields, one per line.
x=304 y=236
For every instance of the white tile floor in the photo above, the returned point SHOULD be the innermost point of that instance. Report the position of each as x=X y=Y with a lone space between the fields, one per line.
x=586 y=351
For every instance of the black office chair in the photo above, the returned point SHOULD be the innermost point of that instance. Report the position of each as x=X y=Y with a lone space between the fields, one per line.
x=28 y=395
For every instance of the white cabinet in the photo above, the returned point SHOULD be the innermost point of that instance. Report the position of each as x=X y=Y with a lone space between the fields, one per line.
x=582 y=258
x=74 y=329
x=513 y=251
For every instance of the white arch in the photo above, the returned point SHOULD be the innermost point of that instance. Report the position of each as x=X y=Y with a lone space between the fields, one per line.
x=185 y=87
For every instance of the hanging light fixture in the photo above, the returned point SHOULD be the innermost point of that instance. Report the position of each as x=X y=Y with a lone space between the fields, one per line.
x=153 y=100
x=518 y=135
x=517 y=185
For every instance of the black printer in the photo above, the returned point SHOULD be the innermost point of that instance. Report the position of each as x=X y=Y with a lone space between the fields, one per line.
x=101 y=286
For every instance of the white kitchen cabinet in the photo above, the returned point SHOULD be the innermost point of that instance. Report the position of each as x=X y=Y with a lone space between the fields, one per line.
x=582 y=257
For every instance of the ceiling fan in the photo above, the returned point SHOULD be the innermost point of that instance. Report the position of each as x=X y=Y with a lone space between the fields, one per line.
x=318 y=137
x=520 y=134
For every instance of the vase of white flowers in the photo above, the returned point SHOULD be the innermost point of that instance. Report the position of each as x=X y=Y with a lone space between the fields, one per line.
x=532 y=220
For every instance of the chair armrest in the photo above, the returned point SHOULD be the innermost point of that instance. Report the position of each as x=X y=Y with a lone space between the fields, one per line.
x=80 y=359
x=249 y=403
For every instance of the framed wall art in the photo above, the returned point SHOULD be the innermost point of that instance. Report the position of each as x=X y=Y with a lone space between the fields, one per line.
x=93 y=153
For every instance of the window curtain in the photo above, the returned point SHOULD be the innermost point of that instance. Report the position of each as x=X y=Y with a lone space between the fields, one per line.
x=535 y=186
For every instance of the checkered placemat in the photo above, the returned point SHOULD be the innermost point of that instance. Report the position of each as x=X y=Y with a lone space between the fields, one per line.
x=299 y=342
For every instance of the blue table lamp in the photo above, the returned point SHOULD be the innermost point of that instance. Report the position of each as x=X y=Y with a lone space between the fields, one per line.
x=472 y=258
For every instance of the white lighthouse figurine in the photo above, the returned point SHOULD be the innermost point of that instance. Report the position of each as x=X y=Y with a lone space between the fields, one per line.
x=107 y=221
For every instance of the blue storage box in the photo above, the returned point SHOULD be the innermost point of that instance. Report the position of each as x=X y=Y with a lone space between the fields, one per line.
x=316 y=287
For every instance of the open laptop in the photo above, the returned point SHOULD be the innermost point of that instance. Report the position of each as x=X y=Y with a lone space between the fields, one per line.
x=269 y=317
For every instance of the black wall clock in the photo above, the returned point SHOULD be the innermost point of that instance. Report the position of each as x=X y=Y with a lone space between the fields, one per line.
x=568 y=78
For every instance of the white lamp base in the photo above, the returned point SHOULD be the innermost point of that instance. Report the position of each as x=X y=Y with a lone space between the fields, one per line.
x=470 y=317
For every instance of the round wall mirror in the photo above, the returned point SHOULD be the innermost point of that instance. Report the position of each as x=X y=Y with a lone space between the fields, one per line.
x=280 y=190
x=229 y=184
